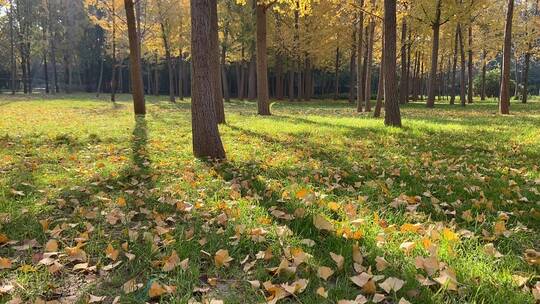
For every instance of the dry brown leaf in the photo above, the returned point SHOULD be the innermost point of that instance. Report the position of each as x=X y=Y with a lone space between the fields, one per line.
x=156 y=290
x=322 y=292
x=381 y=264
x=357 y=254
x=5 y=263
x=321 y=223
x=392 y=284
x=361 y=279
x=324 y=272
x=171 y=262
x=51 y=246
x=222 y=258
x=447 y=278
x=339 y=259
x=111 y=252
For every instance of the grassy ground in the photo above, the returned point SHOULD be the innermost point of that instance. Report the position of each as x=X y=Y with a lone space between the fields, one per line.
x=440 y=198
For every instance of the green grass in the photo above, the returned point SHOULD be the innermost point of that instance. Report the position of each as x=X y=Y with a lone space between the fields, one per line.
x=64 y=157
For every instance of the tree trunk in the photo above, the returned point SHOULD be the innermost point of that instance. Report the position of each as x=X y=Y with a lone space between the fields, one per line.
x=279 y=77
x=403 y=81
x=308 y=80
x=113 y=76
x=526 y=77
x=504 y=104
x=252 y=79
x=462 y=87
x=100 y=80
x=224 y=79
x=392 y=115
x=214 y=56
x=13 y=62
x=369 y=62
x=380 y=86
x=263 y=99
x=291 y=85
x=45 y=66
x=483 y=80
x=206 y=139
x=352 y=68
x=336 y=75
x=432 y=83
x=135 y=62
x=470 y=66
x=168 y=58
x=359 y=42
x=180 y=76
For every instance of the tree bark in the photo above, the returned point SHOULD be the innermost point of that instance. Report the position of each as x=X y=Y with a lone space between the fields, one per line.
x=12 y=50
x=369 y=62
x=263 y=99
x=352 y=68
x=279 y=77
x=504 y=104
x=216 y=73
x=526 y=77
x=392 y=115
x=380 y=86
x=470 y=66
x=432 y=83
x=483 y=80
x=206 y=139
x=359 y=42
x=252 y=79
x=336 y=74
x=135 y=62
x=454 y=68
x=462 y=86
x=167 y=55
x=113 y=76
x=403 y=81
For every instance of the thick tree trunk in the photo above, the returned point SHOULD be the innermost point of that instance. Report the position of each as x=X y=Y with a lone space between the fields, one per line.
x=504 y=104
x=470 y=66
x=263 y=98
x=403 y=81
x=216 y=73
x=206 y=139
x=392 y=115
x=135 y=62
x=432 y=83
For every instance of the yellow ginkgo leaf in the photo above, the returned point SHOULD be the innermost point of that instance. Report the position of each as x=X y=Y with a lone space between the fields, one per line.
x=324 y=272
x=321 y=223
x=171 y=262
x=302 y=193
x=51 y=246
x=222 y=258
x=111 y=252
x=121 y=201
x=5 y=263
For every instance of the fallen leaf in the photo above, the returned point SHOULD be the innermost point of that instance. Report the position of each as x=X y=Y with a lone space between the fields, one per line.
x=361 y=279
x=111 y=252
x=222 y=258
x=381 y=264
x=321 y=223
x=392 y=284
x=324 y=272
x=5 y=263
x=339 y=259
x=171 y=262
x=322 y=292
x=51 y=246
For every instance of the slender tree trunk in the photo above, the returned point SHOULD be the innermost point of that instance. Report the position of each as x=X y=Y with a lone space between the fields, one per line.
x=12 y=50
x=432 y=83
x=526 y=77
x=369 y=63
x=392 y=115
x=504 y=104
x=352 y=68
x=224 y=79
x=113 y=77
x=470 y=66
x=206 y=139
x=157 y=85
x=45 y=66
x=100 y=80
x=135 y=62
x=252 y=79
x=462 y=86
x=308 y=86
x=291 y=85
x=483 y=80
x=168 y=57
x=181 y=76
x=403 y=82
x=359 y=45
x=336 y=75
x=408 y=75
x=454 y=67
x=279 y=77
x=380 y=88
x=263 y=99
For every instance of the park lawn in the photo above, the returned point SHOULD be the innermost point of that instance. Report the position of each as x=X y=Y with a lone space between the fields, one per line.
x=449 y=204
